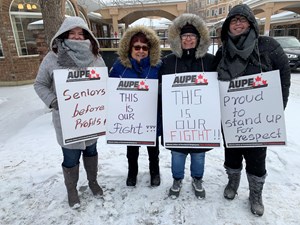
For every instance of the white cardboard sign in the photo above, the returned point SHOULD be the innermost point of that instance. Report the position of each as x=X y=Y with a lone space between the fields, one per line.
x=81 y=96
x=252 y=111
x=132 y=111
x=191 y=110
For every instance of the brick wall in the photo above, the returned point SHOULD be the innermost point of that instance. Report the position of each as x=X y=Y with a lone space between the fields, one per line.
x=14 y=70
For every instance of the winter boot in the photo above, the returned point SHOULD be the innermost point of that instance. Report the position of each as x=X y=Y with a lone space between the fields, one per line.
x=255 y=196
x=71 y=176
x=234 y=177
x=175 y=189
x=91 y=168
x=153 y=153
x=154 y=172
x=199 y=190
x=132 y=156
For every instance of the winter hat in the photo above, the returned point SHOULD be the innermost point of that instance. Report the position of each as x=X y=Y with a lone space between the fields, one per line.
x=189 y=28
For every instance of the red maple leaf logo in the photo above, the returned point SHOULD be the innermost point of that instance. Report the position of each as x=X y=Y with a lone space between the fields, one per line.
x=94 y=74
x=142 y=83
x=200 y=76
x=257 y=79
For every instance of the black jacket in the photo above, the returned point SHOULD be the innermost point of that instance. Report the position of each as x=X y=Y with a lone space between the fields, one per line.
x=270 y=54
x=180 y=60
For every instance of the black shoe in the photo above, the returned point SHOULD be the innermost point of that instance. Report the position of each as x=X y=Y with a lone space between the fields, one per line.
x=131 y=181
x=155 y=180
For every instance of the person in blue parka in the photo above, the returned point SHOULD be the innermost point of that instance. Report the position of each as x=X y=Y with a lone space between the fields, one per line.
x=139 y=57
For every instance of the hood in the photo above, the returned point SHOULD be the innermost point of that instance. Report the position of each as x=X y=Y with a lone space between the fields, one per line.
x=124 y=46
x=242 y=10
x=199 y=24
x=70 y=23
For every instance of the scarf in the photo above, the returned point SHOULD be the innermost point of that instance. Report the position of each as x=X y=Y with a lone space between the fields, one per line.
x=74 y=53
x=237 y=53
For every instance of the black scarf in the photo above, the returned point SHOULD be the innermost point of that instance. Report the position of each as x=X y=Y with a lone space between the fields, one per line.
x=237 y=53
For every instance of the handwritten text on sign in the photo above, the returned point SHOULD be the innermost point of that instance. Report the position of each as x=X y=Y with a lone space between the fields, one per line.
x=252 y=111
x=132 y=111
x=191 y=110
x=81 y=97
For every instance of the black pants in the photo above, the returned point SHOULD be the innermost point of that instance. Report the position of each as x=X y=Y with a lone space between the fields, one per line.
x=133 y=154
x=255 y=159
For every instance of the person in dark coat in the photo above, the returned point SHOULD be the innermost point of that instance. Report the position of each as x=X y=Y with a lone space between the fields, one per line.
x=189 y=41
x=244 y=52
x=139 y=57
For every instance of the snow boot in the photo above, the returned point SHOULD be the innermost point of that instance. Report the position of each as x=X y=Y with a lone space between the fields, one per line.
x=175 y=189
x=154 y=172
x=132 y=156
x=71 y=176
x=91 y=168
x=153 y=153
x=234 y=177
x=198 y=188
x=255 y=193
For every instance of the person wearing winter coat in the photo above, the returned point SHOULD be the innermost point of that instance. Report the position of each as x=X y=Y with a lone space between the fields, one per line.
x=73 y=46
x=189 y=41
x=244 y=52
x=139 y=57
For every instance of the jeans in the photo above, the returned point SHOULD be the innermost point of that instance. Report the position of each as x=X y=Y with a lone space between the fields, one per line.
x=178 y=164
x=72 y=156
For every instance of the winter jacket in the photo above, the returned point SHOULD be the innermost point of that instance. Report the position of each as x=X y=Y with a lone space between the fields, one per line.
x=180 y=61
x=44 y=83
x=271 y=55
x=127 y=67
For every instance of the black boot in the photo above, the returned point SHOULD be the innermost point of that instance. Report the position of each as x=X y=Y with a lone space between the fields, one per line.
x=132 y=156
x=153 y=153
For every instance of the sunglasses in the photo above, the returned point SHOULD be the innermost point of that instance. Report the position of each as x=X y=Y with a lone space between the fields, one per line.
x=138 y=48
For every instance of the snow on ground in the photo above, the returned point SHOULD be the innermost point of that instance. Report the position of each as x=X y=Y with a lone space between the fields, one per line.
x=32 y=189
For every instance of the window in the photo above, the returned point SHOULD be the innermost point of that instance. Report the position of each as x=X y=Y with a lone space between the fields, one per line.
x=1 y=50
x=278 y=32
x=22 y=14
x=293 y=32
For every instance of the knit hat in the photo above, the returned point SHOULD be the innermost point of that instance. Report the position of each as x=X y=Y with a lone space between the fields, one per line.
x=188 y=28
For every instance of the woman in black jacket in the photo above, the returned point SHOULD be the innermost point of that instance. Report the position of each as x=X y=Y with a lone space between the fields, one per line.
x=189 y=40
x=244 y=52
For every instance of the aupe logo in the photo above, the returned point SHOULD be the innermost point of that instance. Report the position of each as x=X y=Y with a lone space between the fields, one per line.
x=246 y=84
x=133 y=85
x=189 y=80
x=83 y=75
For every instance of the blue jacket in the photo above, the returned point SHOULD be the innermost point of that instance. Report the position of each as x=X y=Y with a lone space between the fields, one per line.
x=138 y=70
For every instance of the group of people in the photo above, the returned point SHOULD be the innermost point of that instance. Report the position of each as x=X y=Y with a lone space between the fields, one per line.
x=243 y=52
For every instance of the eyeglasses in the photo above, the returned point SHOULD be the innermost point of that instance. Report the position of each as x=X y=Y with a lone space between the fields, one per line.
x=236 y=19
x=138 y=48
x=186 y=36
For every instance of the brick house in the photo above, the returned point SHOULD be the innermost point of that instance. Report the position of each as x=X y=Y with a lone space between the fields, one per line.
x=22 y=38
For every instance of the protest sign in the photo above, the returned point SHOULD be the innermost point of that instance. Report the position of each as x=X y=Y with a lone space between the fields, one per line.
x=132 y=111
x=252 y=111
x=191 y=110
x=81 y=96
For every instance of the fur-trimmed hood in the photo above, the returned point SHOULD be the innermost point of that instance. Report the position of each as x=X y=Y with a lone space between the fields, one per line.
x=70 y=23
x=199 y=24
x=124 y=47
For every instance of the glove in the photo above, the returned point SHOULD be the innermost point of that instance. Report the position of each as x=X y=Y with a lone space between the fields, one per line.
x=54 y=104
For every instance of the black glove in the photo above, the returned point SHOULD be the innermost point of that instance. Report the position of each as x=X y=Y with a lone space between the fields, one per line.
x=54 y=104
